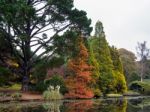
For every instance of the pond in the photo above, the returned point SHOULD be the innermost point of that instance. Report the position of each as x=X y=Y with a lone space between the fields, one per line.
x=138 y=104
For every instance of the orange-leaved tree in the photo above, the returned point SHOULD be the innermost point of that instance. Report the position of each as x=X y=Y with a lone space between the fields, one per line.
x=79 y=74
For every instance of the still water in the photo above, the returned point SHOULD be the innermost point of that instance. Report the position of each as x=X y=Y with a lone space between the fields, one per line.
x=139 y=104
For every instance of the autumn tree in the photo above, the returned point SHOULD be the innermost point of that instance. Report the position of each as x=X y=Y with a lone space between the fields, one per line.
x=28 y=24
x=79 y=75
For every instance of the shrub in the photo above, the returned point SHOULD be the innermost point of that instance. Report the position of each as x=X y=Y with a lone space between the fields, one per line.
x=52 y=93
x=142 y=87
x=56 y=80
x=16 y=96
x=53 y=81
x=97 y=92
x=41 y=86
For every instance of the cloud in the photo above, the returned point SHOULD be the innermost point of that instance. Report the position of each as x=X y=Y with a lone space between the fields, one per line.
x=125 y=21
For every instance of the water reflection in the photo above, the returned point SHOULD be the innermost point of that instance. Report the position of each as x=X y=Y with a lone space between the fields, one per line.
x=79 y=106
x=99 y=105
x=52 y=106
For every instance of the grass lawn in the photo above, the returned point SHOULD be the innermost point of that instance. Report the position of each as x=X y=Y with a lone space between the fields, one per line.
x=16 y=87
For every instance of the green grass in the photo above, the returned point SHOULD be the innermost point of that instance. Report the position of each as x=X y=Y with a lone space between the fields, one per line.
x=147 y=81
x=114 y=95
x=131 y=93
x=13 y=87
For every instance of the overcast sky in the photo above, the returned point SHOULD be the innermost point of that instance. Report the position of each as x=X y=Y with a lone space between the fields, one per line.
x=125 y=22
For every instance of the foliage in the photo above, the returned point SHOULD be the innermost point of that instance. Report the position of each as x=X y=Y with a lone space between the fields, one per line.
x=40 y=86
x=56 y=71
x=95 y=72
x=134 y=77
x=119 y=78
x=24 y=24
x=56 y=80
x=142 y=87
x=120 y=82
x=103 y=57
x=107 y=66
x=143 y=53
x=4 y=74
x=128 y=60
x=116 y=59
x=79 y=75
x=65 y=45
x=99 y=31
x=52 y=93
x=97 y=92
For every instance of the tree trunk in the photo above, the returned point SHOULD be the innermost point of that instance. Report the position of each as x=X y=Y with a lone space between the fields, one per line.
x=26 y=66
x=26 y=79
x=142 y=71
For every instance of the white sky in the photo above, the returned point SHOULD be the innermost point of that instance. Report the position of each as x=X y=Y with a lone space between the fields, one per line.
x=125 y=22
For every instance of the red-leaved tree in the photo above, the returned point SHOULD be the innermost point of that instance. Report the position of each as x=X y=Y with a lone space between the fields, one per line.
x=79 y=74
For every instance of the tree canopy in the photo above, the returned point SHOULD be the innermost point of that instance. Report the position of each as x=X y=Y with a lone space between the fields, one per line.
x=31 y=25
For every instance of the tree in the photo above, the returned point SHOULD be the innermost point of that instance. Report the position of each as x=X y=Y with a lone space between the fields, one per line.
x=119 y=78
x=143 y=53
x=79 y=75
x=8 y=64
x=26 y=25
x=96 y=69
x=101 y=53
x=99 y=29
x=129 y=63
x=116 y=59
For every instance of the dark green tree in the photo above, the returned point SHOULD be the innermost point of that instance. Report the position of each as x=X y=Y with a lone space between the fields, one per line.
x=30 y=27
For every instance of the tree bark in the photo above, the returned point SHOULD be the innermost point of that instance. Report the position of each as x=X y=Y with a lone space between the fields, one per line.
x=26 y=79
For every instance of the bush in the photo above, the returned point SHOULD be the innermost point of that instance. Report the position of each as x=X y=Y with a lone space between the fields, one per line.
x=53 y=81
x=52 y=93
x=56 y=80
x=16 y=96
x=142 y=87
x=97 y=92
x=134 y=77
x=41 y=86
